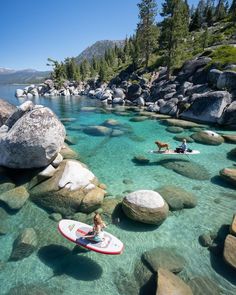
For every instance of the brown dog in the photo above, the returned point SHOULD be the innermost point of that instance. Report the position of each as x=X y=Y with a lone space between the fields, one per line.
x=162 y=145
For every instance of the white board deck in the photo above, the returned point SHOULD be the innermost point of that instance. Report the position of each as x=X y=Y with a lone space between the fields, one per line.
x=75 y=231
x=172 y=152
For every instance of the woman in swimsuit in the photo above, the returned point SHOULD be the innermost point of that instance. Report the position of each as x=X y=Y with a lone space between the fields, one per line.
x=97 y=235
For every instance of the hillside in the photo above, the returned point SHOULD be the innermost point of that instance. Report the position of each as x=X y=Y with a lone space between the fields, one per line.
x=98 y=49
x=28 y=76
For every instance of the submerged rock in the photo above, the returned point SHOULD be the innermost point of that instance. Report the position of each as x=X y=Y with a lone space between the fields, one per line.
x=15 y=198
x=208 y=137
x=28 y=289
x=167 y=258
x=180 y=137
x=186 y=168
x=174 y=129
x=33 y=140
x=168 y=283
x=177 y=198
x=140 y=159
x=139 y=119
x=204 y=286
x=24 y=245
x=145 y=206
x=97 y=130
x=180 y=123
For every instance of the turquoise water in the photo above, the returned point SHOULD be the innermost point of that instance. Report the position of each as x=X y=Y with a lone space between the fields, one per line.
x=110 y=159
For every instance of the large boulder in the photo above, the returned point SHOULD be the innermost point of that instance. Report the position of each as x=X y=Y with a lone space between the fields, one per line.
x=207 y=107
x=134 y=91
x=227 y=80
x=208 y=137
x=230 y=251
x=24 y=245
x=230 y=138
x=34 y=140
x=145 y=206
x=229 y=116
x=167 y=258
x=170 y=284
x=72 y=188
x=177 y=198
x=213 y=76
x=191 y=66
x=6 y=109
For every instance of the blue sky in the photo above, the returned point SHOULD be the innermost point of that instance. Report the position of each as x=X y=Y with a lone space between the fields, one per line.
x=33 y=30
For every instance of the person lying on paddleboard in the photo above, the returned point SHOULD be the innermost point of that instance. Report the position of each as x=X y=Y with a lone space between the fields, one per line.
x=183 y=148
x=97 y=235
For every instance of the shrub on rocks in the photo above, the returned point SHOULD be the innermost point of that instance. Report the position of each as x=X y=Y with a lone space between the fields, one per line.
x=145 y=206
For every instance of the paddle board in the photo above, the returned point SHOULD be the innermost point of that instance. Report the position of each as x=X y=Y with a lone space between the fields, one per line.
x=172 y=152
x=75 y=231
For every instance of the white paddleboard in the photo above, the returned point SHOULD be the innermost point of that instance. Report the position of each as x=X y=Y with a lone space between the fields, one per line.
x=75 y=231
x=172 y=152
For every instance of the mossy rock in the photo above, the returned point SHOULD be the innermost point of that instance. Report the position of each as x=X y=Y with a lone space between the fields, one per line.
x=174 y=129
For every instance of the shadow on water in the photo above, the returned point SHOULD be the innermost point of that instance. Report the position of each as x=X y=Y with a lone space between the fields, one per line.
x=66 y=262
x=221 y=182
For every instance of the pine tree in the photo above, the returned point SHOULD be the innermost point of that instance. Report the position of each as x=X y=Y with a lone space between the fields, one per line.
x=195 y=23
x=103 y=72
x=59 y=73
x=232 y=10
x=205 y=38
x=135 y=54
x=220 y=10
x=174 y=32
x=85 y=70
x=146 y=28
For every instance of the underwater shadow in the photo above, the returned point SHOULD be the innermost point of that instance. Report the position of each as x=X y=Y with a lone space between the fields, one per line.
x=65 y=262
x=224 y=270
x=221 y=182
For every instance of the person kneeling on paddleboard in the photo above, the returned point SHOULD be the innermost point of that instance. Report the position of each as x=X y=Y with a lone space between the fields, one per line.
x=183 y=148
x=97 y=234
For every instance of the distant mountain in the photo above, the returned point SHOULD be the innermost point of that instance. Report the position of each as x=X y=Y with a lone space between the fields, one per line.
x=27 y=76
x=98 y=49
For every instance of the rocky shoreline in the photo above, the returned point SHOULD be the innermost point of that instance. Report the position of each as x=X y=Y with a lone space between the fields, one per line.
x=199 y=92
